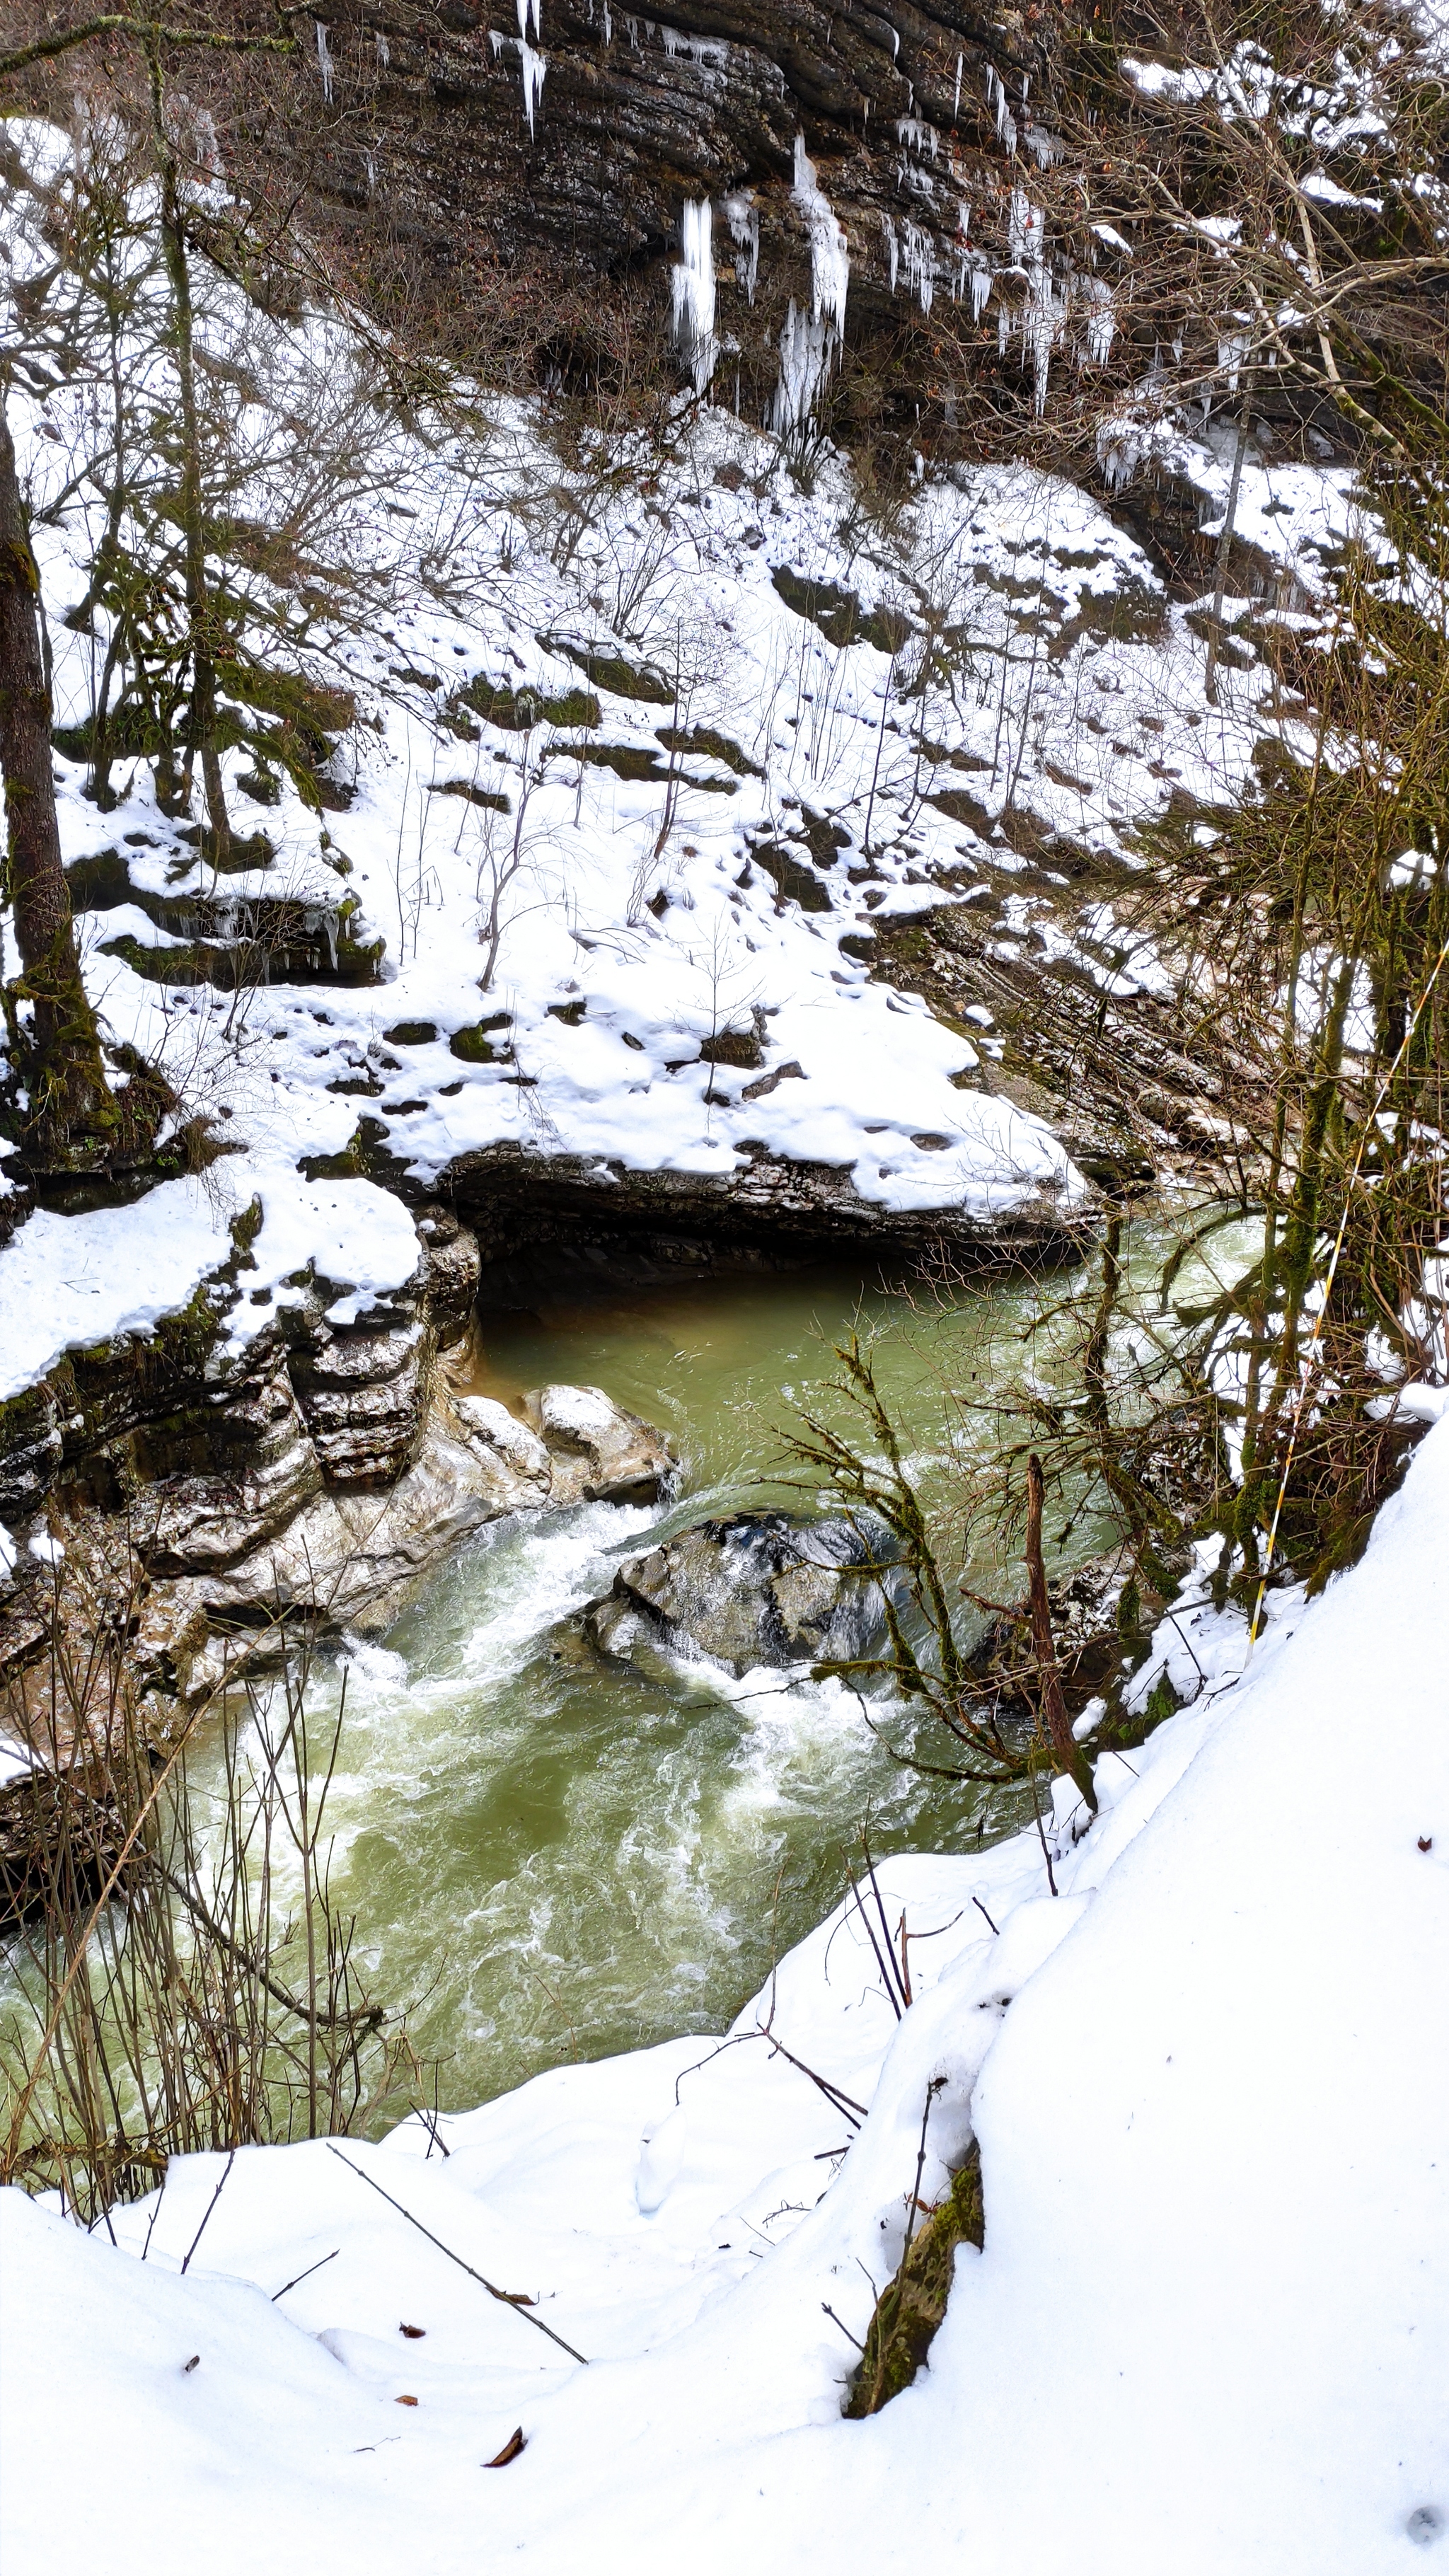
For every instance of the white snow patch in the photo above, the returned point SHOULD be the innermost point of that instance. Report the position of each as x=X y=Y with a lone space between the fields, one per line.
x=70 y=1282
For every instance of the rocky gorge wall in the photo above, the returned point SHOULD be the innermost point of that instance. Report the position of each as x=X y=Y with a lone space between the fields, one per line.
x=571 y=148
x=218 y=1498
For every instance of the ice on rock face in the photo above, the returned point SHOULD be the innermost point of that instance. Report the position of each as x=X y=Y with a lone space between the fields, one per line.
x=809 y=342
x=829 y=250
x=996 y=98
x=694 y=292
x=1101 y=319
x=920 y=263
x=533 y=68
x=807 y=354
x=532 y=65
x=706 y=50
x=743 y=217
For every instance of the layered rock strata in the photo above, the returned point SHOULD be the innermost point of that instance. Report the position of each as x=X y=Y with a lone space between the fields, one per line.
x=214 y=1497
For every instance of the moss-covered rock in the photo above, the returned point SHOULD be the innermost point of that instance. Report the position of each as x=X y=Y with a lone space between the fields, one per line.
x=840 y=615
x=483 y=1042
x=229 y=940
x=519 y=710
x=611 y=671
x=711 y=745
x=794 y=880
x=911 y=2307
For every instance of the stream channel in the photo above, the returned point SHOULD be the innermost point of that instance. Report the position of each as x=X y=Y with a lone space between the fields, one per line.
x=550 y=1854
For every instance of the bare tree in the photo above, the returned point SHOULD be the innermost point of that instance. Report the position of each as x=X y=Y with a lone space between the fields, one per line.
x=70 y=1118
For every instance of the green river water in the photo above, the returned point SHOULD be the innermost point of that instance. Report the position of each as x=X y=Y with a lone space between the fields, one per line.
x=551 y=1855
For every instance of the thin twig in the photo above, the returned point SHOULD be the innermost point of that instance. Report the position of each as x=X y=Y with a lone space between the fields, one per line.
x=210 y=2206
x=305 y=2276
x=515 y=2299
x=935 y=2086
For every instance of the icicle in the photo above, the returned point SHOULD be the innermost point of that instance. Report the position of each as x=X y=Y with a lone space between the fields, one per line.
x=807 y=353
x=533 y=67
x=956 y=101
x=694 y=294
x=996 y=97
x=383 y=50
x=1025 y=229
x=608 y=25
x=324 y=62
x=700 y=49
x=829 y=251
x=1045 y=147
x=920 y=264
x=1101 y=319
x=743 y=217
x=893 y=249
x=808 y=343
x=1230 y=357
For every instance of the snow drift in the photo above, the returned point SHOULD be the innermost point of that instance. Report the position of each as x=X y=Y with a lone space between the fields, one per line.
x=1208 y=2329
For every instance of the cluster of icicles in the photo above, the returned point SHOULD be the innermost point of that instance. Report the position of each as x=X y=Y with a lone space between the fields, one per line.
x=1037 y=315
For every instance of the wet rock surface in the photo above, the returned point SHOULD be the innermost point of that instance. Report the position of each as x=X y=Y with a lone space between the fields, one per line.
x=572 y=1213
x=348 y=1558
x=755 y=1588
x=219 y=1500
x=596 y=1452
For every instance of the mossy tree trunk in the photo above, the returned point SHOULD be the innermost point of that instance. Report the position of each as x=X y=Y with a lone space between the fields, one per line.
x=911 y=2307
x=71 y=1117
x=1056 y=1725
x=200 y=607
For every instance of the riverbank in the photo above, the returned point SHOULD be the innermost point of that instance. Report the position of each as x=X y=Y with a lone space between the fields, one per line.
x=1199 y=2334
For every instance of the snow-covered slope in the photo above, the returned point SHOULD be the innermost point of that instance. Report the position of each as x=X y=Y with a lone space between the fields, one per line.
x=1209 y=2328
x=643 y=743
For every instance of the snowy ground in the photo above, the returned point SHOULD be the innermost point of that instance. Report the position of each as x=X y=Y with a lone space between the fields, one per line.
x=1208 y=2329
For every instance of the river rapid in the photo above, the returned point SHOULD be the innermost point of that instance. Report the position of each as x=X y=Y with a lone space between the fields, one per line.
x=553 y=1855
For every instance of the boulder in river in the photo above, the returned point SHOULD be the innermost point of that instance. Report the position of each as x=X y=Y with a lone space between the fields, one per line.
x=755 y=1588
x=598 y=1453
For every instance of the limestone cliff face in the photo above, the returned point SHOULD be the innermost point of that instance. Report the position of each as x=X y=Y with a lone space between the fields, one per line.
x=217 y=1505
x=571 y=150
